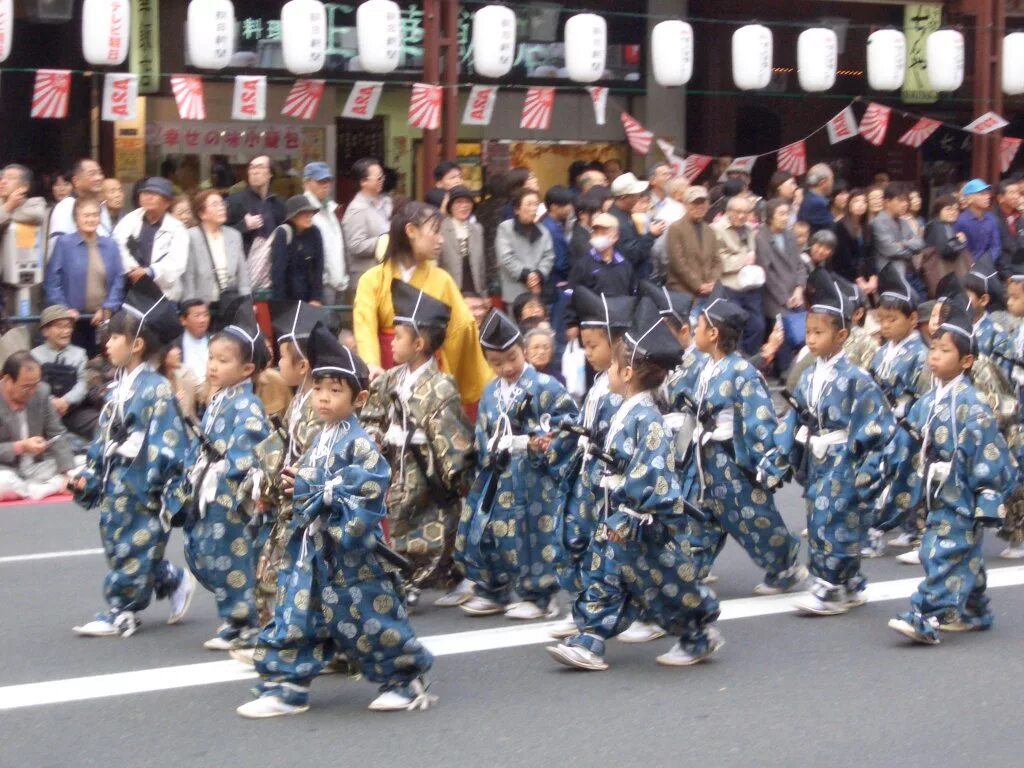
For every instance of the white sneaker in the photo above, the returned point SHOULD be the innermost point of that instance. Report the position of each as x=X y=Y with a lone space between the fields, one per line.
x=245 y=656
x=96 y=628
x=412 y=696
x=908 y=630
x=854 y=599
x=904 y=540
x=813 y=605
x=463 y=591
x=875 y=546
x=181 y=598
x=710 y=579
x=221 y=641
x=565 y=628
x=481 y=606
x=641 y=632
x=269 y=706
x=677 y=657
x=527 y=611
x=959 y=626
x=913 y=557
x=803 y=534
x=764 y=590
x=1013 y=552
x=127 y=623
x=577 y=657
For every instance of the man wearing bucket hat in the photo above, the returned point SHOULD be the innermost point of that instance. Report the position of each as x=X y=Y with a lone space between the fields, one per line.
x=978 y=224
x=318 y=181
x=297 y=255
x=152 y=241
x=636 y=248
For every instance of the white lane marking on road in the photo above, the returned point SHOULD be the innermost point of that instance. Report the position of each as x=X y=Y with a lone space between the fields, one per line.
x=50 y=555
x=207 y=673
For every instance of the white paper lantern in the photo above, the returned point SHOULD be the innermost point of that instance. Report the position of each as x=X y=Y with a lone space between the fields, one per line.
x=1013 y=63
x=752 y=57
x=672 y=52
x=887 y=59
x=816 y=55
x=379 y=33
x=6 y=28
x=304 y=36
x=944 y=51
x=586 y=46
x=494 y=41
x=210 y=33
x=106 y=28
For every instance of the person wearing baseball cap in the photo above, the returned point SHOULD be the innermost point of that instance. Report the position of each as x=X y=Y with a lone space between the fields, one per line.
x=318 y=182
x=978 y=224
x=691 y=249
x=152 y=241
x=605 y=271
x=626 y=190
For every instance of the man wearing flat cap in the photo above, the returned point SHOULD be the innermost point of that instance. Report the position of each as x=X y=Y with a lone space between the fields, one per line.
x=152 y=241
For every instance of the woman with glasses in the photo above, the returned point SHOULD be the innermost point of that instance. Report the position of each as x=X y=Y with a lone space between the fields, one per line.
x=216 y=259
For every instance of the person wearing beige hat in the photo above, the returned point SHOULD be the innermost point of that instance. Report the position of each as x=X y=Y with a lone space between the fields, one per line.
x=635 y=247
x=692 y=249
x=605 y=270
x=63 y=365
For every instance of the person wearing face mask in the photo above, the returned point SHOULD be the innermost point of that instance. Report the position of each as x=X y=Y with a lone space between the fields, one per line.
x=605 y=270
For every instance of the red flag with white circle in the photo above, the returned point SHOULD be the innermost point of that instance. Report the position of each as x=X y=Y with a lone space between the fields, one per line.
x=303 y=99
x=694 y=166
x=792 y=158
x=425 y=106
x=919 y=132
x=639 y=138
x=51 y=93
x=875 y=123
x=537 y=107
x=188 y=96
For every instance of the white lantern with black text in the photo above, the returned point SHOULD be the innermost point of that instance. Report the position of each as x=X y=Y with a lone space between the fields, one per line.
x=816 y=55
x=304 y=36
x=379 y=34
x=672 y=52
x=752 y=57
x=494 y=41
x=210 y=33
x=1013 y=64
x=106 y=28
x=944 y=51
x=6 y=28
x=887 y=59
x=586 y=46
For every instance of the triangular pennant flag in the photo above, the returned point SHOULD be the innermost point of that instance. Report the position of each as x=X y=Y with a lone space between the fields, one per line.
x=919 y=132
x=987 y=123
x=1007 y=151
x=792 y=158
x=51 y=93
x=537 y=107
x=639 y=138
x=842 y=127
x=250 y=98
x=667 y=148
x=480 y=105
x=304 y=99
x=599 y=98
x=188 y=96
x=694 y=166
x=361 y=103
x=744 y=164
x=425 y=106
x=120 y=92
x=875 y=123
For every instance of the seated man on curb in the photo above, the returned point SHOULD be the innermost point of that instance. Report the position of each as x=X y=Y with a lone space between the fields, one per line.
x=34 y=453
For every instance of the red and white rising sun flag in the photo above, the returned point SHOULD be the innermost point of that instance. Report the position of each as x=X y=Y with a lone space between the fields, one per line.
x=919 y=132
x=425 y=106
x=695 y=165
x=842 y=127
x=793 y=158
x=188 y=95
x=250 y=98
x=304 y=99
x=875 y=123
x=537 y=108
x=1007 y=151
x=639 y=138
x=119 y=94
x=51 y=93
x=480 y=105
x=599 y=98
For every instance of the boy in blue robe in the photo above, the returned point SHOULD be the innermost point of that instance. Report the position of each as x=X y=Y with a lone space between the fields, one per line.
x=507 y=539
x=636 y=564
x=336 y=594
x=134 y=467
x=991 y=338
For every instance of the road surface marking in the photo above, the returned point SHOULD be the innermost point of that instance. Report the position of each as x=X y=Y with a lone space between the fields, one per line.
x=50 y=555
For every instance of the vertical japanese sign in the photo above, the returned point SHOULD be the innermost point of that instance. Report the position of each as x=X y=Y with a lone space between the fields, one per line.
x=145 y=47
x=919 y=21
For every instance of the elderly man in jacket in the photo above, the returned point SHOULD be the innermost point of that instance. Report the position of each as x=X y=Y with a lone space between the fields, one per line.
x=692 y=249
x=152 y=241
x=318 y=180
x=635 y=247
x=742 y=280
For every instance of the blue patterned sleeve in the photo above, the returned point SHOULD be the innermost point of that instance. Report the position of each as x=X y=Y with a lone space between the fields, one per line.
x=987 y=471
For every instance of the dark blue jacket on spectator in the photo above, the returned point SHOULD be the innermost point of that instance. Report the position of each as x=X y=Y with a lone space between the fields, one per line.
x=636 y=248
x=297 y=265
x=66 y=273
x=816 y=211
x=560 y=271
x=982 y=235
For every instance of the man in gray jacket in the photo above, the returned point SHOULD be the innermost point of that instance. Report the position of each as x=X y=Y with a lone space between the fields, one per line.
x=894 y=237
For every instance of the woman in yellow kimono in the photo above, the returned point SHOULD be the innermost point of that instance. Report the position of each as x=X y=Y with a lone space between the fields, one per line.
x=414 y=244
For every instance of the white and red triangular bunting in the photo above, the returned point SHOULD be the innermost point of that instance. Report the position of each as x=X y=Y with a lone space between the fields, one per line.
x=425 y=106
x=842 y=127
x=303 y=99
x=639 y=138
x=537 y=107
x=875 y=123
x=987 y=123
x=599 y=98
x=919 y=132
x=745 y=164
x=695 y=165
x=480 y=105
x=667 y=147
x=1007 y=151
x=362 y=100
x=249 y=101
x=792 y=158
x=188 y=95
x=120 y=92
x=51 y=93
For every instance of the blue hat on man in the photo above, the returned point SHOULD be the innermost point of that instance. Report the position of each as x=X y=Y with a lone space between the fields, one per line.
x=974 y=186
x=318 y=171
x=158 y=186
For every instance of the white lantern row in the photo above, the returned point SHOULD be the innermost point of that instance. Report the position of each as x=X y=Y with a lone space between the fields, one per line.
x=1013 y=63
x=672 y=52
x=6 y=28
x=944 y=50
x=210 y=33
x=586 y=45
x=887 y=59
x=494 y=40
x=752 y=57
x=816 y=58
x=106 y=28
x=379 y=36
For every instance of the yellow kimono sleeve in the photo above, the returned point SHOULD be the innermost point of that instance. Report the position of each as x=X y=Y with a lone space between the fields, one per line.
x=365 y=321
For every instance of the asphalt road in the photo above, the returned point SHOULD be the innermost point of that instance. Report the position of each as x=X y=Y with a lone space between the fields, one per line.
x=785 y=691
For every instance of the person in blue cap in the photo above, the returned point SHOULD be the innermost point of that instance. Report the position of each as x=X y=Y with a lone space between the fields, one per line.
x=318 y=186
x=978 y=224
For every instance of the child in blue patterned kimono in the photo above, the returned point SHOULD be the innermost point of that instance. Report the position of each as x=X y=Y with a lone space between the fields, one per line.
x=836 y=434
x=738 y=465
x=991 y=338
x=134 y=466
x=220 y=546
x=636 y=565
x=507 y=539
x=335 y=595
x=958 y=464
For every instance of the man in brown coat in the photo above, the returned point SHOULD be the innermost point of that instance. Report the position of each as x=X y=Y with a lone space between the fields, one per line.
x=692 y=249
